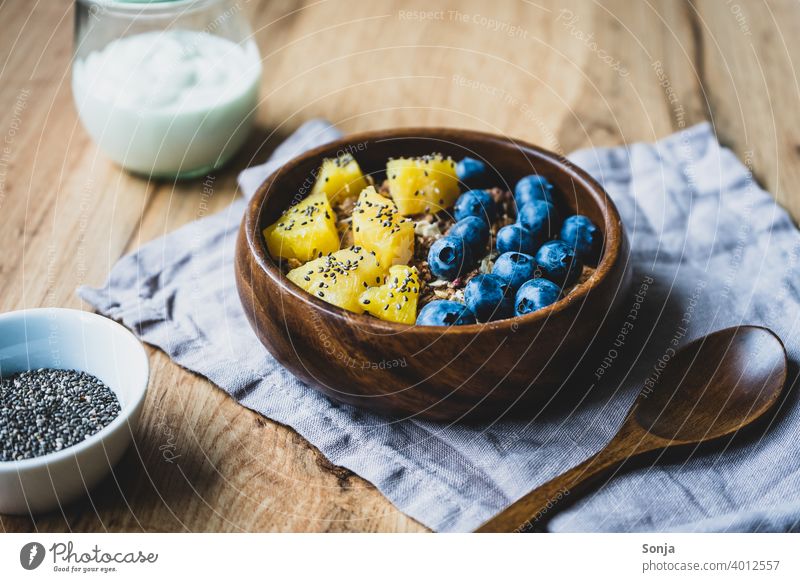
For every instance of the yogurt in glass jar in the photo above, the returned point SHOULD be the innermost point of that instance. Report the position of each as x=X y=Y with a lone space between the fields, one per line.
x=175 y=92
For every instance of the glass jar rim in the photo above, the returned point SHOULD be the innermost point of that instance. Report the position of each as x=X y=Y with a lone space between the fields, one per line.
x=145 y=7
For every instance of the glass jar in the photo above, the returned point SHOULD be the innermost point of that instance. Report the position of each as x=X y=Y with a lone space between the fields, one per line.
x=166 y=88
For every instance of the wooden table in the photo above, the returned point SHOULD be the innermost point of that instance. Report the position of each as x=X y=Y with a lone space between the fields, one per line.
x=564 y=75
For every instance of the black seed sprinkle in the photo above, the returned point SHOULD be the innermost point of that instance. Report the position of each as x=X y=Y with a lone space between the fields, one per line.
x=46 y=410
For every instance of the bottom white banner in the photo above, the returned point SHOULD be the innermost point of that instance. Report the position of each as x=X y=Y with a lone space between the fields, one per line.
x=378 y=557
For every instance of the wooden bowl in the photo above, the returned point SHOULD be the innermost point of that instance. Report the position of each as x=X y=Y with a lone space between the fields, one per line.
x=432 y=373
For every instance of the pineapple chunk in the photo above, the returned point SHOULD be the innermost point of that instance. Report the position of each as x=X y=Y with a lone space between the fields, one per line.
x=424 y=184
x=339 y=178
x=339 y=278
x=377 y=226
x=397 y=299
x=304 y=231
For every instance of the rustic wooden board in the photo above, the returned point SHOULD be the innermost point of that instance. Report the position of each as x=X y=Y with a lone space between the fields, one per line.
x=564 y=75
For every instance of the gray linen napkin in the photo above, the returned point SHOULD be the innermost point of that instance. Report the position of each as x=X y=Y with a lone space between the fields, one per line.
x=709 y=249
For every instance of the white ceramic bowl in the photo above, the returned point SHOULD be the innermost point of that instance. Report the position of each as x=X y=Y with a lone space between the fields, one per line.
x=71 y=340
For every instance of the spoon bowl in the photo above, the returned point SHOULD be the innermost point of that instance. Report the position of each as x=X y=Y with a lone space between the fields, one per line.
x=711 y=388
x=715 y=386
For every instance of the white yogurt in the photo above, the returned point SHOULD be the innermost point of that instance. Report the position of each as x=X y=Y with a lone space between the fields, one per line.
x=168 y=102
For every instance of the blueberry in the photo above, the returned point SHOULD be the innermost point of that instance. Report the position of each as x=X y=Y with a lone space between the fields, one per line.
x=533 y=187
x=582 y=234
x=471 y=172
x=558 y=263
x=541 y=218
x=534 y=295
x=443 y=312
x=489 y=298
x=475 y=233
x=514 y=269
x=515 y=237
x=449 y=257
x=475 y=203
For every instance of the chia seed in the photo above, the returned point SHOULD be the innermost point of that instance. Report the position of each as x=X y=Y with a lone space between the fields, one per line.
x=47 y=410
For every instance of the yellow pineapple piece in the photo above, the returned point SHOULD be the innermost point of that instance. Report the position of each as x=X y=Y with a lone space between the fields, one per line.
x=339 y=178
x=396 y=300
x=424 y=184
x=377 y=226
x=304 y=231
x=339 y=278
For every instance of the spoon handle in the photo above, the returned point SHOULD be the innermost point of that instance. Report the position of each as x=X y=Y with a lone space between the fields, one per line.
x=531 y=511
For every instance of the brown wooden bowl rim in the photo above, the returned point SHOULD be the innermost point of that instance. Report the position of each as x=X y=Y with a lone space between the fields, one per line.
x=613 y=238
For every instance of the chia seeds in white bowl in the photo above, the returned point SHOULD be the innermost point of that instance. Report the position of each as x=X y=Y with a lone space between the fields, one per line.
x=88 y=355
x=46 y=410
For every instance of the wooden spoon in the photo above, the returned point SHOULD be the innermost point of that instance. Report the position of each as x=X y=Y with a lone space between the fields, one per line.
x=711 y=388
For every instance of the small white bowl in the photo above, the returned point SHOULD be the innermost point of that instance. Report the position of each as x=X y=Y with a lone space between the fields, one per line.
x=69 y=339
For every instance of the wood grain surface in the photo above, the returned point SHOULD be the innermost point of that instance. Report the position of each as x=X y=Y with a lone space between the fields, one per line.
x=562 y=74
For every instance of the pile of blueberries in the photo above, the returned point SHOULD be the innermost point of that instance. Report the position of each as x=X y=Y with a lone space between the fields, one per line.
x=539 y=256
